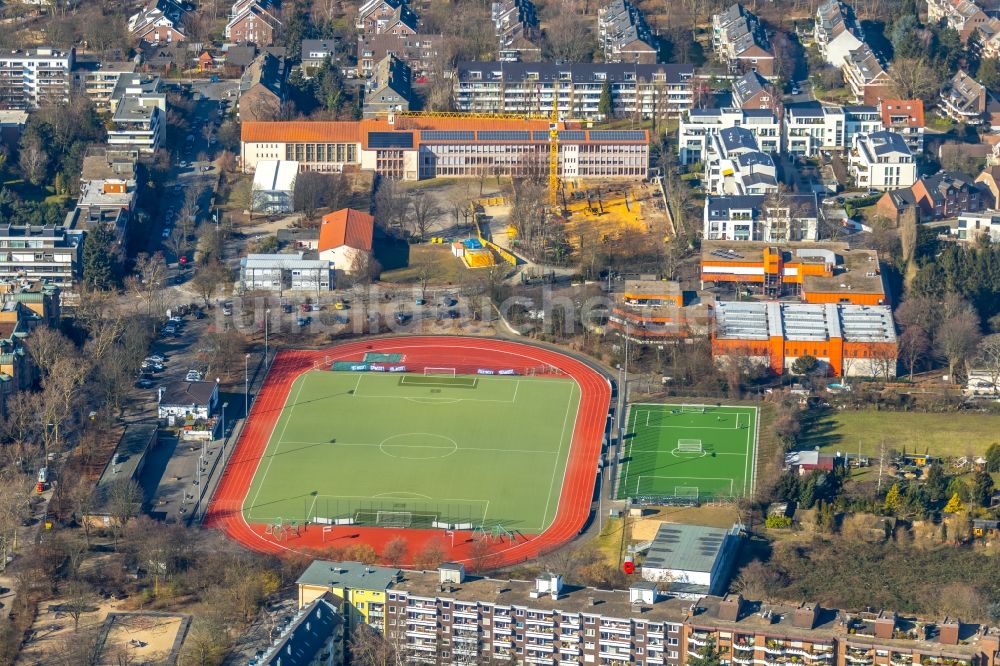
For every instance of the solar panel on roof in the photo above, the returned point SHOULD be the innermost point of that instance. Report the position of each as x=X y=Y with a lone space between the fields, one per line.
x=617 y=135
x=447 y=135
x=504 y=135
x=390 y=139
x=564 y=135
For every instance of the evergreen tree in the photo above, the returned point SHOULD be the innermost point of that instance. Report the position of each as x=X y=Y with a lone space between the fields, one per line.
x=936 y=482
x=993 y=458
x=893 y=500
x=989 y=73
x=605 y=105
x=100 y=269
x=982 y=488
x=706 y=656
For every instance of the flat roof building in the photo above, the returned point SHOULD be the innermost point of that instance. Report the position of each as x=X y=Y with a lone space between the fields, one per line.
x=847 y=340
x=692 y=560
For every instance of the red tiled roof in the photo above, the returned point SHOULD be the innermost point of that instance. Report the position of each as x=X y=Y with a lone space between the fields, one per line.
x=912 y=108
x=346 y=227
x=308 y=131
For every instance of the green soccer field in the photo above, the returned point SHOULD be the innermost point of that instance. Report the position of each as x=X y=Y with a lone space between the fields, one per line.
x=684 y=452
x=403 y=450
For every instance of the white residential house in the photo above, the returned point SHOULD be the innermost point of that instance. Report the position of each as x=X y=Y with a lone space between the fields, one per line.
x=186 y=401
x=698 y=125
x=810 y=128
x=285 y=272
x=139 y=108
x=970 y=227
x=274 y=186
x=882 y=161
x=735 y=165
x=31 y=77
x=771 y=219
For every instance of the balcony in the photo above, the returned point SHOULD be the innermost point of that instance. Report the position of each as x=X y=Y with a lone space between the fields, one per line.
x=745 y=662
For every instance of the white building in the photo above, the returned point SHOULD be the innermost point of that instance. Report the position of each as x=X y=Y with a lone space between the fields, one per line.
x=697 y=125
x=29 y=78
x=882 y=161
x=274 y=186
x=836 y=31
x=973 y=226
x=285 y=272
x=775 y=219
x=693 y=559
x=735 y=165
x=810 y=128
x=345 y=238
x=188 y=400
x=40 y=253
x=140 y=113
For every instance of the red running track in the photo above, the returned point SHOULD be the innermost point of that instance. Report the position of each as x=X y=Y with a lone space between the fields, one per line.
x=225 y=510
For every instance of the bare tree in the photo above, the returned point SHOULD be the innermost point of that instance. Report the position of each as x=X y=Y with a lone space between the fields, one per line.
x=914 y=78
x=370 y=648
x=147 y=283
x=47 y=347
x=395 y=551
x=123 y=501
x=424 y=211
x=78 y=600
x=34 y=160
x=957 y=338
x=390 y=206
x=914 y=345
x=208 y=279
x=988 y=358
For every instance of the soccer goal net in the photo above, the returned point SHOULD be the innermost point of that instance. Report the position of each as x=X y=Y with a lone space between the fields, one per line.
x=446 y=372
x=693 y=409
x=689 y=445
x=394 y=518
x=686 y=492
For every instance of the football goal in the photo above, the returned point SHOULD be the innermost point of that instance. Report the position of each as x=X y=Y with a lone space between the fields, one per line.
x=692 y=409
x=394 y=518
x=686 y=493
x=690 y=446
x=445 y=372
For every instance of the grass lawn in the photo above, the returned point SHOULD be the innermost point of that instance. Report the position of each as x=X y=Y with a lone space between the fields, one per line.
x=437 y=261
x=461 y=450
x=953 y=434
x=657 y=463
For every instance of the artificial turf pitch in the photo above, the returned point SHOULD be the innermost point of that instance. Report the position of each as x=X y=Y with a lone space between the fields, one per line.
x=407 y=450
x=652 y=465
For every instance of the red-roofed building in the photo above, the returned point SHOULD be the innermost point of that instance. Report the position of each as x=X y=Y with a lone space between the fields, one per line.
x=906 y=118
x=345 y=238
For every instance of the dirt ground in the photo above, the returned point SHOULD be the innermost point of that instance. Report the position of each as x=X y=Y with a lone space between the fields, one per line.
x=53 y=628
x=148 y=639
x=644 y=529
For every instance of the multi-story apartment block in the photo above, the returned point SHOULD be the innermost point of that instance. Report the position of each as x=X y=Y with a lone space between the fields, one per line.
x=881 y=161
x=509 y=87
x=771 y=219
x=964 y=99
x=739 y=38
x=140 y=114
x=836 y=31
x=447 y=617
x=420 y=52
x=810 y=128
x=30 y=78
x=40 y=253
x=415 y=148
x=624 y=34
x=515 y=23
x=159 y=22
x=280 y=272
x=97 y=80
x=963 y=16
x=697 y=125
x=906 y=118
x=865 y=75
x=734 y=164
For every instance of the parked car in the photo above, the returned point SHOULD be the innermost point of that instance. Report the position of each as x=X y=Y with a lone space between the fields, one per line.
x=287 y=308
x=453 y=314
x=193 y=376
x=227 y=309
x=421 y=301
x=152 y=365
x=157 y=358
x=304 y=321
x=144 y=383
x=403 y=317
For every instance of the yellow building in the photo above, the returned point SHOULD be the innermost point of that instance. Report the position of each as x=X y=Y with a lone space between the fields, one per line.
x=361 y=587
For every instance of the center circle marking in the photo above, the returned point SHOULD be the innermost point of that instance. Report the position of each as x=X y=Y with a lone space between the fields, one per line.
x=418 y=446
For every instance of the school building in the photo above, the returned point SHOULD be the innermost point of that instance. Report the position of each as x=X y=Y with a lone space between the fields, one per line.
x=847 y=340
x=815 y=272
x=406 y=147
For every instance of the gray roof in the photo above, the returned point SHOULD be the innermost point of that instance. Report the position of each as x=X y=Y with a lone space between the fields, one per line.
x=886 y=142
x=686 y=547
x=129 y=452
x=749 y=85
x=301 y=642
x=720 y=206
x=188 y=393
x=733 y=138
x=579 y=72
x=325 y=46
x=349 y=575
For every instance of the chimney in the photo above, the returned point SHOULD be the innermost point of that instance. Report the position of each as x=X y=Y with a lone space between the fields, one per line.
x=731 y=607
x=805 y=616
x=948 y=631
x=885 y=623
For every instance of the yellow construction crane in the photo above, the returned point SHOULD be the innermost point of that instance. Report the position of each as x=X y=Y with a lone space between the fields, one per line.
x=554 y=150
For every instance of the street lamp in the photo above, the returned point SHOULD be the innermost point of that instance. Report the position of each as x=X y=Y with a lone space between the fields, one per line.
x=267 y=315
x=246 y=389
